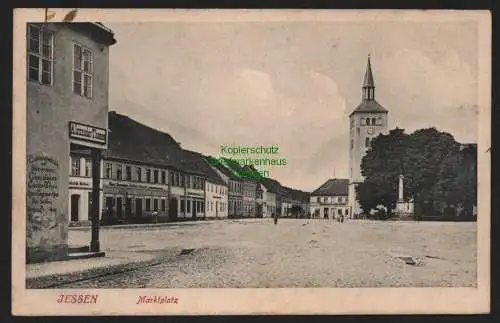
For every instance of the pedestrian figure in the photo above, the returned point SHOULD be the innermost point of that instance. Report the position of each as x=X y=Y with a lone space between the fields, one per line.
x=341 y=219
x=275 y=216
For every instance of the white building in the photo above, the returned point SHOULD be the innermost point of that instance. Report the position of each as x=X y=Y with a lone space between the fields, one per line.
x=216 y=196
x=330 y=200
x=367 y=121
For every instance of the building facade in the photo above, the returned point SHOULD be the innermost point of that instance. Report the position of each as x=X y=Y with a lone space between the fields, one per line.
x=367 y=121
x=67 y=105
x=330 y=200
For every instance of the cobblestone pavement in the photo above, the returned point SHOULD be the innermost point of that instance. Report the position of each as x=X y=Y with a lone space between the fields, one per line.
x=295 y=253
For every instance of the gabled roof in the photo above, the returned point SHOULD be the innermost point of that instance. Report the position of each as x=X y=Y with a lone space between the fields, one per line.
x=271 y=185
x=131 y=140
x=333 y=187
x=194 y=162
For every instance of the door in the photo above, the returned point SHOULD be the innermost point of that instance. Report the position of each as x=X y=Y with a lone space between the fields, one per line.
x=89 y=210
x=172 y=209
x=109 y=206
x=128 y=206
x=75 y=206
x=138 y=207
x=194 y=205
x=216 y=209
x=119 y=210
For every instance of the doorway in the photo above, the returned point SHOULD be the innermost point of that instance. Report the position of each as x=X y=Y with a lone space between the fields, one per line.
x=194 y=208
x=75 y=206
x=128 y=206
x=119 y=207
x=172 y=209
x=138 y=207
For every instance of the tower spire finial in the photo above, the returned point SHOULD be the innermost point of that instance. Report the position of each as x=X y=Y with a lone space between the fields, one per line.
x=368 y=83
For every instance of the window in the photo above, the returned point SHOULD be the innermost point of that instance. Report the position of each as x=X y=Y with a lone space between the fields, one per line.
x=75 y=166
x=367 y=142
x=362 y=121
x=148 y=204
x=182 y=205
x=379 y=121
x=155 y=176
x=155 y=205
x=171 y=178
x=40 y=54
x=346 y=212
x=109 y=169
x=128 y=173
x=318 y=199
x=163 y=177
x=148 y=175
x=82 y=71
x=339 y=211
x=373 y=121
x=119 y=172
x=188 y=181
x=183 y=179
x=163 y=205
x=88 y=168
x=138 y=172
x=188 y=206
x=177 y=179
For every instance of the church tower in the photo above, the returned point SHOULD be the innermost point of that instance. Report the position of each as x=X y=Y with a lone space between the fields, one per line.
x=367 y=121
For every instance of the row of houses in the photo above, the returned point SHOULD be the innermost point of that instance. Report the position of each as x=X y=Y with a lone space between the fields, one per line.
x=148 y=177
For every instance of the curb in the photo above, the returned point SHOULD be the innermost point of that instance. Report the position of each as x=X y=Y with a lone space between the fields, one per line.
x=56 y=280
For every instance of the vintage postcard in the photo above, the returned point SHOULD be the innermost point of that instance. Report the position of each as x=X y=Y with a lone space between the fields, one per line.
x=193 y=162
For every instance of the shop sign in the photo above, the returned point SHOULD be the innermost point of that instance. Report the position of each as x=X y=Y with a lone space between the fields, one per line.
x=87 y=133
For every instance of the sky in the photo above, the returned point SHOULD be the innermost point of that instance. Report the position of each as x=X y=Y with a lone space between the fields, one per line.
x=292 y=84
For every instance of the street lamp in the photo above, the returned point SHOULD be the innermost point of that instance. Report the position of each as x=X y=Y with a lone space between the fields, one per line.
x=96 y=184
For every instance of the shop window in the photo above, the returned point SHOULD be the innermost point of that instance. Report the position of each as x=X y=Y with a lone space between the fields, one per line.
x=40 y=54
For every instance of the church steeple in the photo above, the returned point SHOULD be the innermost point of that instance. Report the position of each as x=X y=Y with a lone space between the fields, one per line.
x=368 y=83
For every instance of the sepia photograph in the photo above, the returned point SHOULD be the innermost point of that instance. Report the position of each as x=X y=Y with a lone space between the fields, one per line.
x=251 y=162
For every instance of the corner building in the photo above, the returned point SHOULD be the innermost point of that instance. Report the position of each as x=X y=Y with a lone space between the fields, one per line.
x=367 y=121
x=67 y=67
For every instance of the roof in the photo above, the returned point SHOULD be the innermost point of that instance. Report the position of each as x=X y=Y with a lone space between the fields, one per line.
x=333 y=187
x=94 y=30
x=214 y=162
x=131 y=140
x=368 y=81
x=270 y=184
x=195 y=163
x=371 y=106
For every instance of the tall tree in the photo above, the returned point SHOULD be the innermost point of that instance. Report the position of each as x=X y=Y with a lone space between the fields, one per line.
x=381 y=167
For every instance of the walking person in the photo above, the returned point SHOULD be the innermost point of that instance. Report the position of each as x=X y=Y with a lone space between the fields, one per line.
x=275 y=217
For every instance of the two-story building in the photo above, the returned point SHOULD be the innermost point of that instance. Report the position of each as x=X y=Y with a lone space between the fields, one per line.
x=234 y=186
x=270 y=189
x=330 y=200
x=136 y=171
x=67 y=66
x=215 y=188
